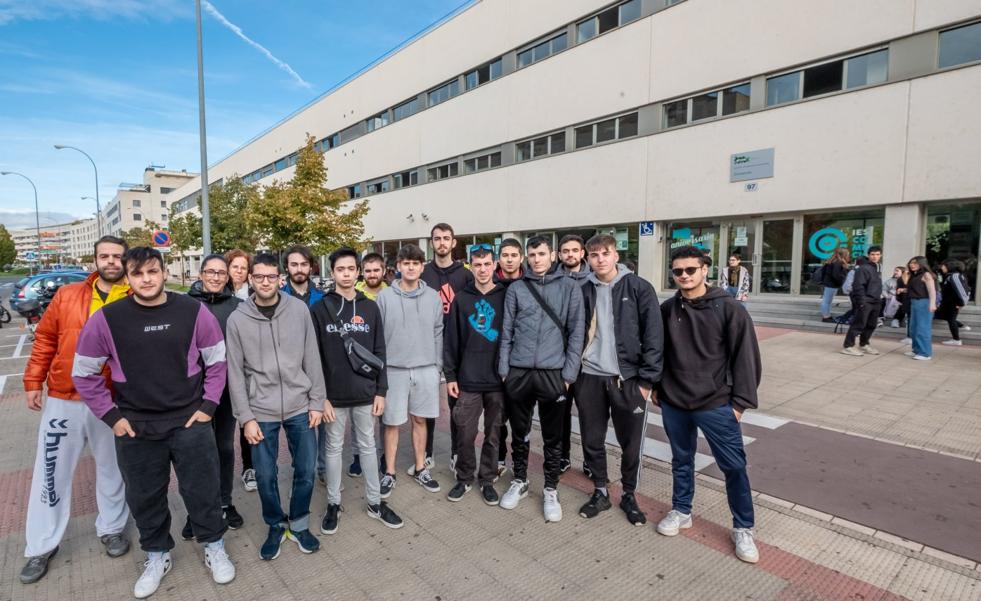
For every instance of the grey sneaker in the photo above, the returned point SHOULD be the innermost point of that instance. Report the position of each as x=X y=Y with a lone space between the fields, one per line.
x=248 y=480
x=116 y=545
x=745 y=545
x=851 y=350
x=673 y=523
x=36 y=567
x=517 y=491
x=425 y=480
x=868 y=349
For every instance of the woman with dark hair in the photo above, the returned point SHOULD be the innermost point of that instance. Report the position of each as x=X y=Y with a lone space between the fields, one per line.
x=735 y=279
x=833 y=275
x=922 y=291
x=953 y=297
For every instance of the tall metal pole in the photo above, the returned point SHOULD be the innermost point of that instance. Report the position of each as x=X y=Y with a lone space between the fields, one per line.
x=98 y=214
x=98 y=206
x=205 y=208
x=37 y=214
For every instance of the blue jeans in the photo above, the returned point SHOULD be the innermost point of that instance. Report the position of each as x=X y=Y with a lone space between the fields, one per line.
x=920 y=324
x=322 y=450
x=725 y=438
x=827 y=297
x=733 y=291
x=302 y=442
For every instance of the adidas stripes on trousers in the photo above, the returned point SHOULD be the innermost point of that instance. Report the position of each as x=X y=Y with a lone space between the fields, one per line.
x=66 y=426
x=600 y=399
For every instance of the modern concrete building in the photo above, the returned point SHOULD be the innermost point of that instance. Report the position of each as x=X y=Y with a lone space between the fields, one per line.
x=136 y=204
x=61 y=243
x=778 y=129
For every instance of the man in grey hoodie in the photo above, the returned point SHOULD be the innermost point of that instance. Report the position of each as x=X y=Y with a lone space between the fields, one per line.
x=276 y=381
x=541 y=350
x=572 y=262
x=412 y=317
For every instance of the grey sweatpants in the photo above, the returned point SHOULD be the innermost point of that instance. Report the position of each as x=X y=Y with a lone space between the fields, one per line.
x=363 y=436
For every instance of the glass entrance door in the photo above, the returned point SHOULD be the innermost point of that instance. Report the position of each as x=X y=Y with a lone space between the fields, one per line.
x=777 y=256
x=741 y=241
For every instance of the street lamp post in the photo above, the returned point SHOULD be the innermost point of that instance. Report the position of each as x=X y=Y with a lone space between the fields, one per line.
x=37 y=214
x=98 y=214
x=205 y=207
x=97 y=206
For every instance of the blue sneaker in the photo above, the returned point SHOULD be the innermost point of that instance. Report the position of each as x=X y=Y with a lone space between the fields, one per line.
x=271 y=548
x=355 y=470
x=307 y=542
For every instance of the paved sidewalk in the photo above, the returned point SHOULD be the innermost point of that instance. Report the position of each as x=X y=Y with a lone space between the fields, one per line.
x=466 y=550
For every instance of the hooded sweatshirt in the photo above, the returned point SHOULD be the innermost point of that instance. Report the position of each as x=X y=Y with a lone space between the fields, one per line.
x=600 y=358
x=413 y=324
x=274 y=368
x=530 y=339
x=221 y=304
x=446 y=282
x=579 y=276
x=711 y=356
x=500 y=278
x=362 y=321
x=473 y=337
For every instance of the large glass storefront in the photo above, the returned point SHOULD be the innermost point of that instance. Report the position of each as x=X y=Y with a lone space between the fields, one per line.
x=954 y=232
x=777 y=256
x=704 y=235
x=826 y=232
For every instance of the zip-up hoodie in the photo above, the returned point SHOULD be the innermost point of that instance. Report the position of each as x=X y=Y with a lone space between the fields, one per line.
x=711 y=356
x=579 y=276
x=274 y=368
x=600 y=356
x=362 y=321
x=530 y=339
x=473 y=337
x=312 y=297
x=499 y=277
x=446 y=282
x=221 y=304
x=413 y=326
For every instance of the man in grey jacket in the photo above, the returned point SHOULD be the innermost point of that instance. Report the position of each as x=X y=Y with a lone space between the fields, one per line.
x=412 y=318
x=572 y=262
x=541 y=350
x=275 y=381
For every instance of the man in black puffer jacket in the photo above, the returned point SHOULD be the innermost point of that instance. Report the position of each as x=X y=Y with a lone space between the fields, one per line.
x=866 y=297
x=214 y=292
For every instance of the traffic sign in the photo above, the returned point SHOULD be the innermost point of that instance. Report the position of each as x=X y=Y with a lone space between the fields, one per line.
x=161 y=238
x=30 y=255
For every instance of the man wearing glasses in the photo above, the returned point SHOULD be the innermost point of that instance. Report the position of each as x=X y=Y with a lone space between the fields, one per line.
x=711 y=373
x=276 y=382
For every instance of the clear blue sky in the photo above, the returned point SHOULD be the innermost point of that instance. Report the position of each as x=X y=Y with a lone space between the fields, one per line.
x=118 y=79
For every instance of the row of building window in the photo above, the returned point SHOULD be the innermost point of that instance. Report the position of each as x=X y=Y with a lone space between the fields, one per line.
x=731 y=100
x=610 y=18
x=834 y=76
x=606 y=131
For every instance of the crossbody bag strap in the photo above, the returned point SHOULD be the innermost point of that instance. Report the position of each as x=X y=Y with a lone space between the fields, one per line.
x=547 y=308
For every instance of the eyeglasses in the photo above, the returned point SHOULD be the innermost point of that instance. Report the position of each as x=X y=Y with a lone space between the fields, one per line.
x=677 y=271
x=272 y=277
x=212 y=273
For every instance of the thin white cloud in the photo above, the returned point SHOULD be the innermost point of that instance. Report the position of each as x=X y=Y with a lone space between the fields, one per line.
x=46 y=10
x=238 y=31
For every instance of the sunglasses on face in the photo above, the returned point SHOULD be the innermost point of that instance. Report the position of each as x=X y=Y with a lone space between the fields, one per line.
x=677 y=271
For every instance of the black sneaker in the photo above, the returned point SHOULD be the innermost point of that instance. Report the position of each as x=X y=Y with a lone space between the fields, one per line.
x=827 y=320
x=186 y=532
x=588 y=472
x=305 y=540
x=36 y=567
x=232 y=517
x=564 y=466
x=457 y=492
x=629 y=506
x=387 y=484
x=425 y=480
x=489 y=494
x=597 y=503
x=355 y=469
x=274 y=541
x=385 y=515
x=329 y=525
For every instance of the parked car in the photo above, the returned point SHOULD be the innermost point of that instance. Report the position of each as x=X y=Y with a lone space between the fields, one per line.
x=30 y=288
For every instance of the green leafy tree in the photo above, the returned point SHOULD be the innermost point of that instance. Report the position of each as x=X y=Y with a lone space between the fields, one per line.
x=229 y=201
x=8 y=252
x=141 y=236
x=304 y=211
x=185 y=235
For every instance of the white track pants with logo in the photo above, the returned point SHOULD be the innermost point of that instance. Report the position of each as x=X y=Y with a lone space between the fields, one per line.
x=65 y=428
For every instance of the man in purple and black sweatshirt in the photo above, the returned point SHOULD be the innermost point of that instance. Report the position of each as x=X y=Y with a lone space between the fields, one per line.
x=167 y=357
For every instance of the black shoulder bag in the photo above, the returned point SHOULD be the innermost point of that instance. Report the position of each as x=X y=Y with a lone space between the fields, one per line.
x=548 y=310
x=363 y=361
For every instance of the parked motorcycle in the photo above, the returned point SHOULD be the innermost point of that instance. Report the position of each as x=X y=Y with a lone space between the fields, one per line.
x=33 y=309
x=5 y=315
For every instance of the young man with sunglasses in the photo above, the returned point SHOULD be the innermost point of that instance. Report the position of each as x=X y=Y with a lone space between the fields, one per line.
x=541 y=351
x=447 y=277
x=470 y=346
x=711 y=373
x=621 y=365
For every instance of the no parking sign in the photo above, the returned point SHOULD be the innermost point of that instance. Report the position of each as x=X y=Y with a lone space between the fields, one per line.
x=161 y=240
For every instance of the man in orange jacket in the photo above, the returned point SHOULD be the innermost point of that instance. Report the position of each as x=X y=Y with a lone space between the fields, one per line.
x=67 y=423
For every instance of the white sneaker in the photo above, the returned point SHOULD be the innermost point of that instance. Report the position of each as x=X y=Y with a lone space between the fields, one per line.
x=894 y=323
x=952 y=342
x=868 y=349
x=910 y=354
x=851 y=350
x=745 y=545
x=551 y=506
x=906 y=341
x=248 y=480
x=518 y=491
x=217 y=560
x=673 y=523
x=921 y=358
x=155 y=568
x=453 y=463
x=966 y=328
x=429 y=464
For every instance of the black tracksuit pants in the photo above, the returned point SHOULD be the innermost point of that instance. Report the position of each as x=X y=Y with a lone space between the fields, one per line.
x=864 y=321
x=600 y=398
x=525 y=388
x=567 y=425
x=225 y=428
